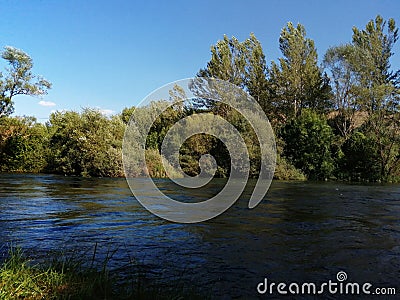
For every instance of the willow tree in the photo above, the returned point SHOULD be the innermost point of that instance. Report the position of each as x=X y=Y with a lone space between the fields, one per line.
x=18 y=79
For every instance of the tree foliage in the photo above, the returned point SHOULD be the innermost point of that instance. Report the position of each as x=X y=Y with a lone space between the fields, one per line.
x=339 y=61
x=23 y=144
x=18 y=79
x=308 y=141
x=360 y=159
x=242 y=64
x=87 y=143
x=378 y=92
x=297 y=82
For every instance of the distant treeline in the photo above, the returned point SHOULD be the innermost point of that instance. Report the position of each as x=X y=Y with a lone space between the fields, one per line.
x=336 y=120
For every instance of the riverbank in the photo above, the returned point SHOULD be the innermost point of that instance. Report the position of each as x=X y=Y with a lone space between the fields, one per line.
x=63 y=276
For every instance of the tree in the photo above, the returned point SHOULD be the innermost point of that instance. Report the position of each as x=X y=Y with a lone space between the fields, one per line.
x=242 y=64
x=19 y=79
x=227 y=61
x=297 y=82
x=126 y=114
x=23 y=144
x=378 y=93
x=256 y=72
x=340 y=62
x=86 y=144
x=373 y=49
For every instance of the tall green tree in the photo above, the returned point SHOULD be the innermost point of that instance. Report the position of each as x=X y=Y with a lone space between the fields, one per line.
x=340 y=62
x=18 y=79
x=378 y=93
x=242 y=64
x=297 y=81
x=373 y=47
x=256 y=72
x=227 y=61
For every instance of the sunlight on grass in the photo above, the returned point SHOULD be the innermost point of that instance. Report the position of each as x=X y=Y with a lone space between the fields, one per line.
x=67 y=277
x=19 y=279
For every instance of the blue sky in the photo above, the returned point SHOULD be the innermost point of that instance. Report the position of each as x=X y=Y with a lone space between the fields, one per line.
x=111 y=54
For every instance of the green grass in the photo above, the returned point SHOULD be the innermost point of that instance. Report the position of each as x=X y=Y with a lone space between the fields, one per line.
x=68 y=277
x=59 y=279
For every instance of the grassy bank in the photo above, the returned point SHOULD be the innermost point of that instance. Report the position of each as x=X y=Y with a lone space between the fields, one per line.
x=63 y=277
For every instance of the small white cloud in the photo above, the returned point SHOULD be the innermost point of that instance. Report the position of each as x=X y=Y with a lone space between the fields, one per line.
x=46 y=103
x=106 y=112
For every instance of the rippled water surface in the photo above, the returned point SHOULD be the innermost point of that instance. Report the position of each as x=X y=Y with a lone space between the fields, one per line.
x=300 y=231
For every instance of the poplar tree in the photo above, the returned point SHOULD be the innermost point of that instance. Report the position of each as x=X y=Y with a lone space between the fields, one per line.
x=378 y=90
x=297 y=81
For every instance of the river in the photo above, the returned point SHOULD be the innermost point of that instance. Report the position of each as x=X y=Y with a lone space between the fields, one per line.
x=300 y=232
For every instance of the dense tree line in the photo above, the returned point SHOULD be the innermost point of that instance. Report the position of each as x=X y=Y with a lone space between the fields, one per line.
x=336 y=120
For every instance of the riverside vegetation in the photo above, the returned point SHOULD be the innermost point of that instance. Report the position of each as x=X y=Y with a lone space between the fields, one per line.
x=70 y=277
x=338 y=120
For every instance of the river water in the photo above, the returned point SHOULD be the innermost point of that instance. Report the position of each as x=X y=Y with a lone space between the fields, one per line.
x=300 y=232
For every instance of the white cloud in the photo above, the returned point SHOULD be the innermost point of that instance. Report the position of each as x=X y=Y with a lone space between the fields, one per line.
x=46 y=103
x=106 y=112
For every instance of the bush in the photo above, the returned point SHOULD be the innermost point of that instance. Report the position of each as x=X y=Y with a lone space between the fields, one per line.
x=86 y=144
x=286 y=171
x=308 y=139
x=155 y=167
x=23 y=144
x=360 y=160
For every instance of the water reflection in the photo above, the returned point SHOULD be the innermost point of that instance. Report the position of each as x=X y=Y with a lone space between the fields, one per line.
x=300 y=232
